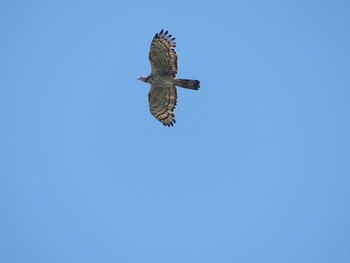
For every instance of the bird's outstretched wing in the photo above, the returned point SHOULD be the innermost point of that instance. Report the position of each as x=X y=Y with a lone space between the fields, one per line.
x=162 y=55
x=162 y=103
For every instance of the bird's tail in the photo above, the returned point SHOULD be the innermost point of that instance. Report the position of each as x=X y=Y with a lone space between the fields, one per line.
x=188 y=83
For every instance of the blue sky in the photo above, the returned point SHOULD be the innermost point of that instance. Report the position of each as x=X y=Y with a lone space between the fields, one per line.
x=256 y=168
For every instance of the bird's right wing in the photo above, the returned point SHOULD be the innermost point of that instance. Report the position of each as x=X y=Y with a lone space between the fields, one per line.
x=162 y=103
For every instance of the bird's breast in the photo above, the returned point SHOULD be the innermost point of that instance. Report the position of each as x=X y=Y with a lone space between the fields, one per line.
x=162 y=80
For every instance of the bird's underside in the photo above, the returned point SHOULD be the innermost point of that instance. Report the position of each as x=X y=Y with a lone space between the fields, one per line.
x=163 y=94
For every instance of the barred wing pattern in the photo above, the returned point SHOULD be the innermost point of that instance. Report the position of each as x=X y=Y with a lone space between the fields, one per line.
x=162 y=55
x=163 y=94
x=162 y=103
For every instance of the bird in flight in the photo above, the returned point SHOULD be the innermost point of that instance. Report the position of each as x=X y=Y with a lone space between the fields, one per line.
x=163 y=94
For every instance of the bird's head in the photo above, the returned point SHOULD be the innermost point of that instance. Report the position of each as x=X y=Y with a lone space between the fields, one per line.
x=143 y=78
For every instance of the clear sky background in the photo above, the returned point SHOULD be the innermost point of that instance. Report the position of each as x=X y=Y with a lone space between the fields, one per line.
x=256 y=168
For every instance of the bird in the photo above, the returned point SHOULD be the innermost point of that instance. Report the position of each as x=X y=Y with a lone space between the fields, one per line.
x=162 y=96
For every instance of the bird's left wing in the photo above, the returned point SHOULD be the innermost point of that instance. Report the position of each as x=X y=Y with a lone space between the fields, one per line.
x=163 y=55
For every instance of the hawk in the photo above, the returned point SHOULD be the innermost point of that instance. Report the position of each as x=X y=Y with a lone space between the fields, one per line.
x=163 y=94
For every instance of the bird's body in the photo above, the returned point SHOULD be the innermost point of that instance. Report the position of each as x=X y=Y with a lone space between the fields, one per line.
x=163 y=94
x=160 y=80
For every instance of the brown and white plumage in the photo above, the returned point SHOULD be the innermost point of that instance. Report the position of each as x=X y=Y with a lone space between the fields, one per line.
x=163 y=94
x=162 y=55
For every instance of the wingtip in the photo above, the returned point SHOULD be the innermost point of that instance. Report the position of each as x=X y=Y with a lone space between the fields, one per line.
x=170 y=123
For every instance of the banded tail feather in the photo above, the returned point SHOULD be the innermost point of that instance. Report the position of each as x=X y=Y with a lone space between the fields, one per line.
x=188 y=83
